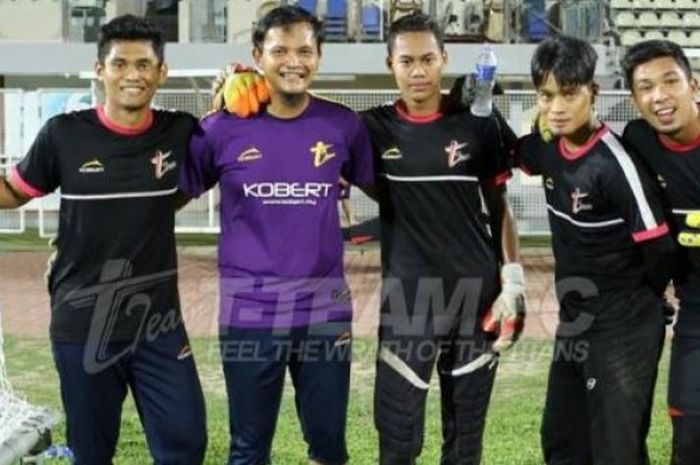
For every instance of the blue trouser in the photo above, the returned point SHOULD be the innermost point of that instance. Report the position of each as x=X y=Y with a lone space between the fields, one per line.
x=163 y=379
x=255 y=363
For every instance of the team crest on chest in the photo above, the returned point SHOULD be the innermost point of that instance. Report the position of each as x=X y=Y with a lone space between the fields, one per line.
x=578 y=201
x=322 y=153
x=455 y=154
x=161 y=163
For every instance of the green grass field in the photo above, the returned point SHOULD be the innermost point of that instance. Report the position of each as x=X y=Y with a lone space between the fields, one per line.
x=512 y=434
x=512 y=430
x=30 y=240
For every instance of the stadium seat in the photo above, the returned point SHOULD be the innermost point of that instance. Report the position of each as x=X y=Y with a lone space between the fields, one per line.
x=648 y=19
x=694 y=39
x=371 y=23
x=691 y=20
x=643 y=5
x=621 y=4
x=630 y=38
x=679 y=37
x=686 y=4
x=336 y=21
x=400 y=8
x=535 y=19
x=654 y=35
x=665 y=4
x=265 y=7
x=625 y=19
x=308 y=5
x=670 y=19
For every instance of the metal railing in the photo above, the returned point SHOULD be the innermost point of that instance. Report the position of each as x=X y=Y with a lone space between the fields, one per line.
x=202 y=215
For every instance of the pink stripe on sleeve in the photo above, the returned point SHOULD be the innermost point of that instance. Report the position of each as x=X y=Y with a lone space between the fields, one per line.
x=649 y=234
x=29 y=190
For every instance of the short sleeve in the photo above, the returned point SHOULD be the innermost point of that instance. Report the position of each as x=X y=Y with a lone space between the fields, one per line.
x=634 y=194
x=199 y=171
x=37 y=173
x=497 y=137
x=359 y=169
x=527 y=153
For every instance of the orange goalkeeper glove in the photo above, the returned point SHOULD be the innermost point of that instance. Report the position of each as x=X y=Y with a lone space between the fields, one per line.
x=240 y=90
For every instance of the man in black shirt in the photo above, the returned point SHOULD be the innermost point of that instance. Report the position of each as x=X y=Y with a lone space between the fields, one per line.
x=611 y=247
x=667 y=139
x=115 y=312
x=442 y=260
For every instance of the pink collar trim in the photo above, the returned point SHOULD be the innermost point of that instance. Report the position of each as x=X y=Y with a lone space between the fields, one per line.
x=125 y=130
x=572 y=155
x=402 y=111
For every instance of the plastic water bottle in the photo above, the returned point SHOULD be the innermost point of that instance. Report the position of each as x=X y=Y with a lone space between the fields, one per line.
x=485 y=77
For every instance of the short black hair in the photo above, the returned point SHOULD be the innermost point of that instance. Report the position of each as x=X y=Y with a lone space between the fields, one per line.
x=650 y=50
x=571 y=61
x=130 y=27
x=415 y=22
x=285 y=16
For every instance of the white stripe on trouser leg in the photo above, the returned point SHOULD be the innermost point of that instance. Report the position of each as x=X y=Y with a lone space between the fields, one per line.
x=474 y=365
x=401 y=368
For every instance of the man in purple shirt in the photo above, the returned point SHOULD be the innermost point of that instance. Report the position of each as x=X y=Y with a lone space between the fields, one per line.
x=283 y=299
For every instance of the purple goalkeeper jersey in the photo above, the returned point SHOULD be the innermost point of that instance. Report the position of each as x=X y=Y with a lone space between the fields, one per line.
x=280 y=249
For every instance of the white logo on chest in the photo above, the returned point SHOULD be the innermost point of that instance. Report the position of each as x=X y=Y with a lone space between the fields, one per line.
x=454 y=153
x=578 y=201
x=161 y=164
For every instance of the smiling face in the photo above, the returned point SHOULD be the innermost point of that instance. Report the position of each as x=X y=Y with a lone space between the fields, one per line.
x=131 y=72
x=417 y=63
x=289 y=58
x=665 y=97
x=567 y=109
